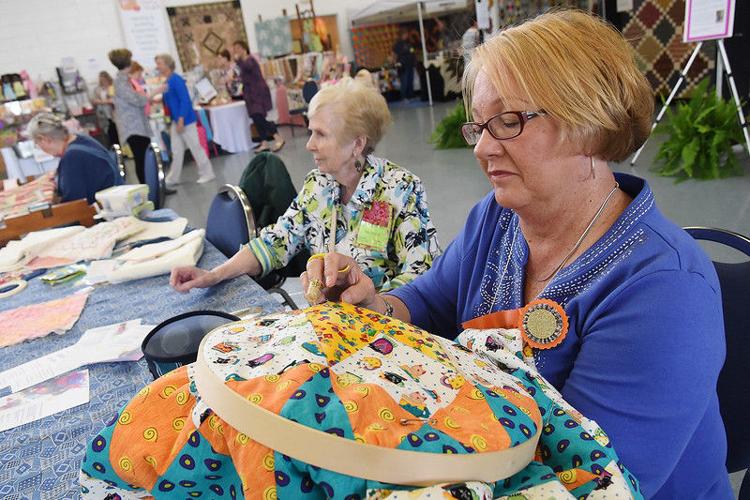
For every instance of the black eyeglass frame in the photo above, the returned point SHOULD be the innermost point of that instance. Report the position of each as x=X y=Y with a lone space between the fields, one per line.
x=523 y=117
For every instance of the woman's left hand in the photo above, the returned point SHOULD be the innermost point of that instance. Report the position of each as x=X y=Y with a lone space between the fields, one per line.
x=337 y=277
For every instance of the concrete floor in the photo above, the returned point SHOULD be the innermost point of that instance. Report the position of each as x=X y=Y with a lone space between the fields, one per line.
x=454 y=182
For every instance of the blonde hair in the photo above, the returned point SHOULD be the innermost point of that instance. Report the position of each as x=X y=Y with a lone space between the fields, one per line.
x=360 y=109
x=579 y=70
x=364 y=77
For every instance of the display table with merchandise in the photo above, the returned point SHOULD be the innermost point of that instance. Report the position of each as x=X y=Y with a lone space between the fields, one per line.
x=21 y=168
x=230 y=126
x=42 y=459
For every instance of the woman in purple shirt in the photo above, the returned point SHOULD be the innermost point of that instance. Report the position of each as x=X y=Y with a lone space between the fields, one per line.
x=257 y=97
x=618 y=308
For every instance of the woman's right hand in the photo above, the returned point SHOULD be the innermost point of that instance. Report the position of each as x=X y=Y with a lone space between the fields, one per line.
x=183 y=279
x=352 y=286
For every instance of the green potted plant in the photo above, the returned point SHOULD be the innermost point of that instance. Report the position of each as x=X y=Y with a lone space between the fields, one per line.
x=700 y=134
x=447 y=133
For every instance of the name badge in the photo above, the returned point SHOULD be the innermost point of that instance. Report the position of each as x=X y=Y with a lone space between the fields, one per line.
x=374 y=228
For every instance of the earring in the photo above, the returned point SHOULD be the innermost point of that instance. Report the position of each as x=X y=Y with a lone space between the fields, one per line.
x=593 y=173
x=358 y=166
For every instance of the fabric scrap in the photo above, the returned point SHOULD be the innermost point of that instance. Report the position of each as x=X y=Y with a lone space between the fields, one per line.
x=39 y=320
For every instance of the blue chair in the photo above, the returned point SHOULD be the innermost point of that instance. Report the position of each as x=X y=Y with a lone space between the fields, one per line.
x=309 y=89
x=154 y=173
x=116 y=154
x=734 y=380
x=229 y=226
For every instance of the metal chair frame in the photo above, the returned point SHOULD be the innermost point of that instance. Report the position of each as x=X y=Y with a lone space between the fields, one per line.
x=731 y=239
x=252 y=230
x=118 y=158
x=161 y=176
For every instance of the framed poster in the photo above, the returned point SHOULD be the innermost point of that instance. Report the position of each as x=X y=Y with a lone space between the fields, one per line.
x=708 y=20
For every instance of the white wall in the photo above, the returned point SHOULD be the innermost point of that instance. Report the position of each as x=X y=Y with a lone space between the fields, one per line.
x=36 y=34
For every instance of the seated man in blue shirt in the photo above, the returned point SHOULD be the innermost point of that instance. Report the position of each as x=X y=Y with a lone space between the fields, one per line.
x=85 y=166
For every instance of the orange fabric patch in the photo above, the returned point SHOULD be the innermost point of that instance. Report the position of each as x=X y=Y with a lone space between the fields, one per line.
x=273 y=391
x=374 y=416
x=470 y=421
x=254 y=463
x=575 y=478
x=142 y=445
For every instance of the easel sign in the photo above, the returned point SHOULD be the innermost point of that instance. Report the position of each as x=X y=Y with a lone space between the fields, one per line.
x=708 y=20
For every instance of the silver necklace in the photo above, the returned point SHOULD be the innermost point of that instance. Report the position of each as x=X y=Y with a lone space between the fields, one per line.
x=583 y=235
x=586 y=231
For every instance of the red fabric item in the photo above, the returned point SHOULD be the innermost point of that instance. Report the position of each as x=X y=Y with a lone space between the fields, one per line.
x=202 y=137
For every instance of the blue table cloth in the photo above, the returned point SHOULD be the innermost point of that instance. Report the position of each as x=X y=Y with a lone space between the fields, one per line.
x=41 y=460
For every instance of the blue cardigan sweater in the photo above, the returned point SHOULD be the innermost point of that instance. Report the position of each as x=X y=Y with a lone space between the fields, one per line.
x=178 y=100
x=645 y=343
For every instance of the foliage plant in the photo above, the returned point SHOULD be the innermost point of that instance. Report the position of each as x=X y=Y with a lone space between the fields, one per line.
x=700 y=134
x=447 y=133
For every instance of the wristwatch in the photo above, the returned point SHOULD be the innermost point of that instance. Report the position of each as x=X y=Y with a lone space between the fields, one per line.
x=388 y=308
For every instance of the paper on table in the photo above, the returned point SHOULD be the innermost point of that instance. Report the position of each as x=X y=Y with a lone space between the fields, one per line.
x=118 y=342
x=43 y=400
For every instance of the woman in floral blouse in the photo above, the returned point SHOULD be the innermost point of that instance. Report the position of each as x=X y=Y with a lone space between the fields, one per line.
x=379 y=209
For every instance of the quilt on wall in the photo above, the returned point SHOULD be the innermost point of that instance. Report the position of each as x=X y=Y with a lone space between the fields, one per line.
x=373 y=44
x=201 y=31
x=274 y=37
x=654 y=28
x=515 y=11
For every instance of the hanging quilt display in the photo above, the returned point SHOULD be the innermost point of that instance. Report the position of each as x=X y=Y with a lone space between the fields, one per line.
x=373 y=44
x=274 y=37
x=201 y=31
x=516 y=11
x=654 y=28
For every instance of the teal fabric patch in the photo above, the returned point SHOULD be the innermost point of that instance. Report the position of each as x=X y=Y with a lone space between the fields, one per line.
x=315 y=405
x=519 y=426
x=430 y=440
x=199 y=472
x=96 y=462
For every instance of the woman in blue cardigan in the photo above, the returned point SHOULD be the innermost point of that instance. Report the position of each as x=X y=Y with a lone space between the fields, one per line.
x=617 y=307
x=183 y=131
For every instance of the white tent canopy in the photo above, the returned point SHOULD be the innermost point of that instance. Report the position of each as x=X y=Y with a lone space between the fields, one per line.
x=394 y=11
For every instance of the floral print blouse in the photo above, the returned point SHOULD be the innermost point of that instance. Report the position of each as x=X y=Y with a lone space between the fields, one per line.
x=385 y=226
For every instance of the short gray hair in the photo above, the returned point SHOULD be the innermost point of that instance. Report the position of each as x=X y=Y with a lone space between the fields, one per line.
x=47 y=125
x=168 y=60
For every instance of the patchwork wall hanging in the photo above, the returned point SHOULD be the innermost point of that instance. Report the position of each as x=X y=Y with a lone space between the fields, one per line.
x=202 y=31
x=654 y=28
x=274 y=37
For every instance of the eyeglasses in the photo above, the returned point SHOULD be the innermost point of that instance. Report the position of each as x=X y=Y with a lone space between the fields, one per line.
x=502 y=126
